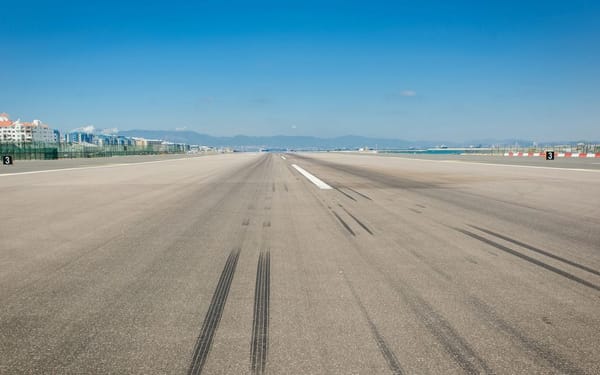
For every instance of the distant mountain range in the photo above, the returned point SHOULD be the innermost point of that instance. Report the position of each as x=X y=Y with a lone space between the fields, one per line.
x=278 y=141
x=306 y=142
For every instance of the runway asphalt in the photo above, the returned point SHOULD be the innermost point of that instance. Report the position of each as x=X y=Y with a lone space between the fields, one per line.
x=239 y=263
x=20 y=166
x=537 y=161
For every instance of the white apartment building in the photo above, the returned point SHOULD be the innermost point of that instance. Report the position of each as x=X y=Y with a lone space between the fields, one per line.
x=22 y=132
x=41 y=132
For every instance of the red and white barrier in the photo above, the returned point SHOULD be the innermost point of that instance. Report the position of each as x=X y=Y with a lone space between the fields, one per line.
x=558 y=155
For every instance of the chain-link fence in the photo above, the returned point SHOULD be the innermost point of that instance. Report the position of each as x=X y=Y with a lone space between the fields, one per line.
x=574 y=148
x=40 y=151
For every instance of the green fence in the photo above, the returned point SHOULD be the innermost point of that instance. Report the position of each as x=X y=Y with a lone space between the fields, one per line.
x=39 y=151
x=29 y=151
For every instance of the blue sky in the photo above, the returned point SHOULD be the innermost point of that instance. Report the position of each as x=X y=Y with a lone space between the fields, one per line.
x=437 y=70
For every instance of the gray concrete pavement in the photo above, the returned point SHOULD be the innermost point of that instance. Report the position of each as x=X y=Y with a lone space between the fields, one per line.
x=577 y=163
x=238 y=264
x=20 y=166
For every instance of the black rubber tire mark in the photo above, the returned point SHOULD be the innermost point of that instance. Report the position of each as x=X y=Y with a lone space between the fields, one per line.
x=545 y=353
x=359 y=193
x=344 y=223
x=213 y=315
x=358 y=221
x=415 y=210
x=529 y=259
x=537 y=250
x=285 y=187
x=346 y=194
x=456 y=346
x=385 y=350
x=259 y=345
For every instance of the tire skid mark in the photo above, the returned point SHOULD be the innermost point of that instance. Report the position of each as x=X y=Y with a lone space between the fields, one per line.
x=537 y=250
x=213 y=315
x=357 y=221
x=359 y=193
x=259 y=344
x=429 y=264
x=443 y=332
x=454 y=344
x=343 y=192
x=446 y=335
x=88 y=335
x=343 y=223
x=529 y=259
x=384 y=349
x=462 y=199
x=539 y=350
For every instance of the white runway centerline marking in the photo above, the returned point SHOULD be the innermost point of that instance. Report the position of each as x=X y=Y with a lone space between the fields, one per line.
x=320 y=184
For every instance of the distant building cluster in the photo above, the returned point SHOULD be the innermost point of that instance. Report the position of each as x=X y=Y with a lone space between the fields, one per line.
x=87 y=137
x=91 y=138
x=26 y=132
x=18 y=132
